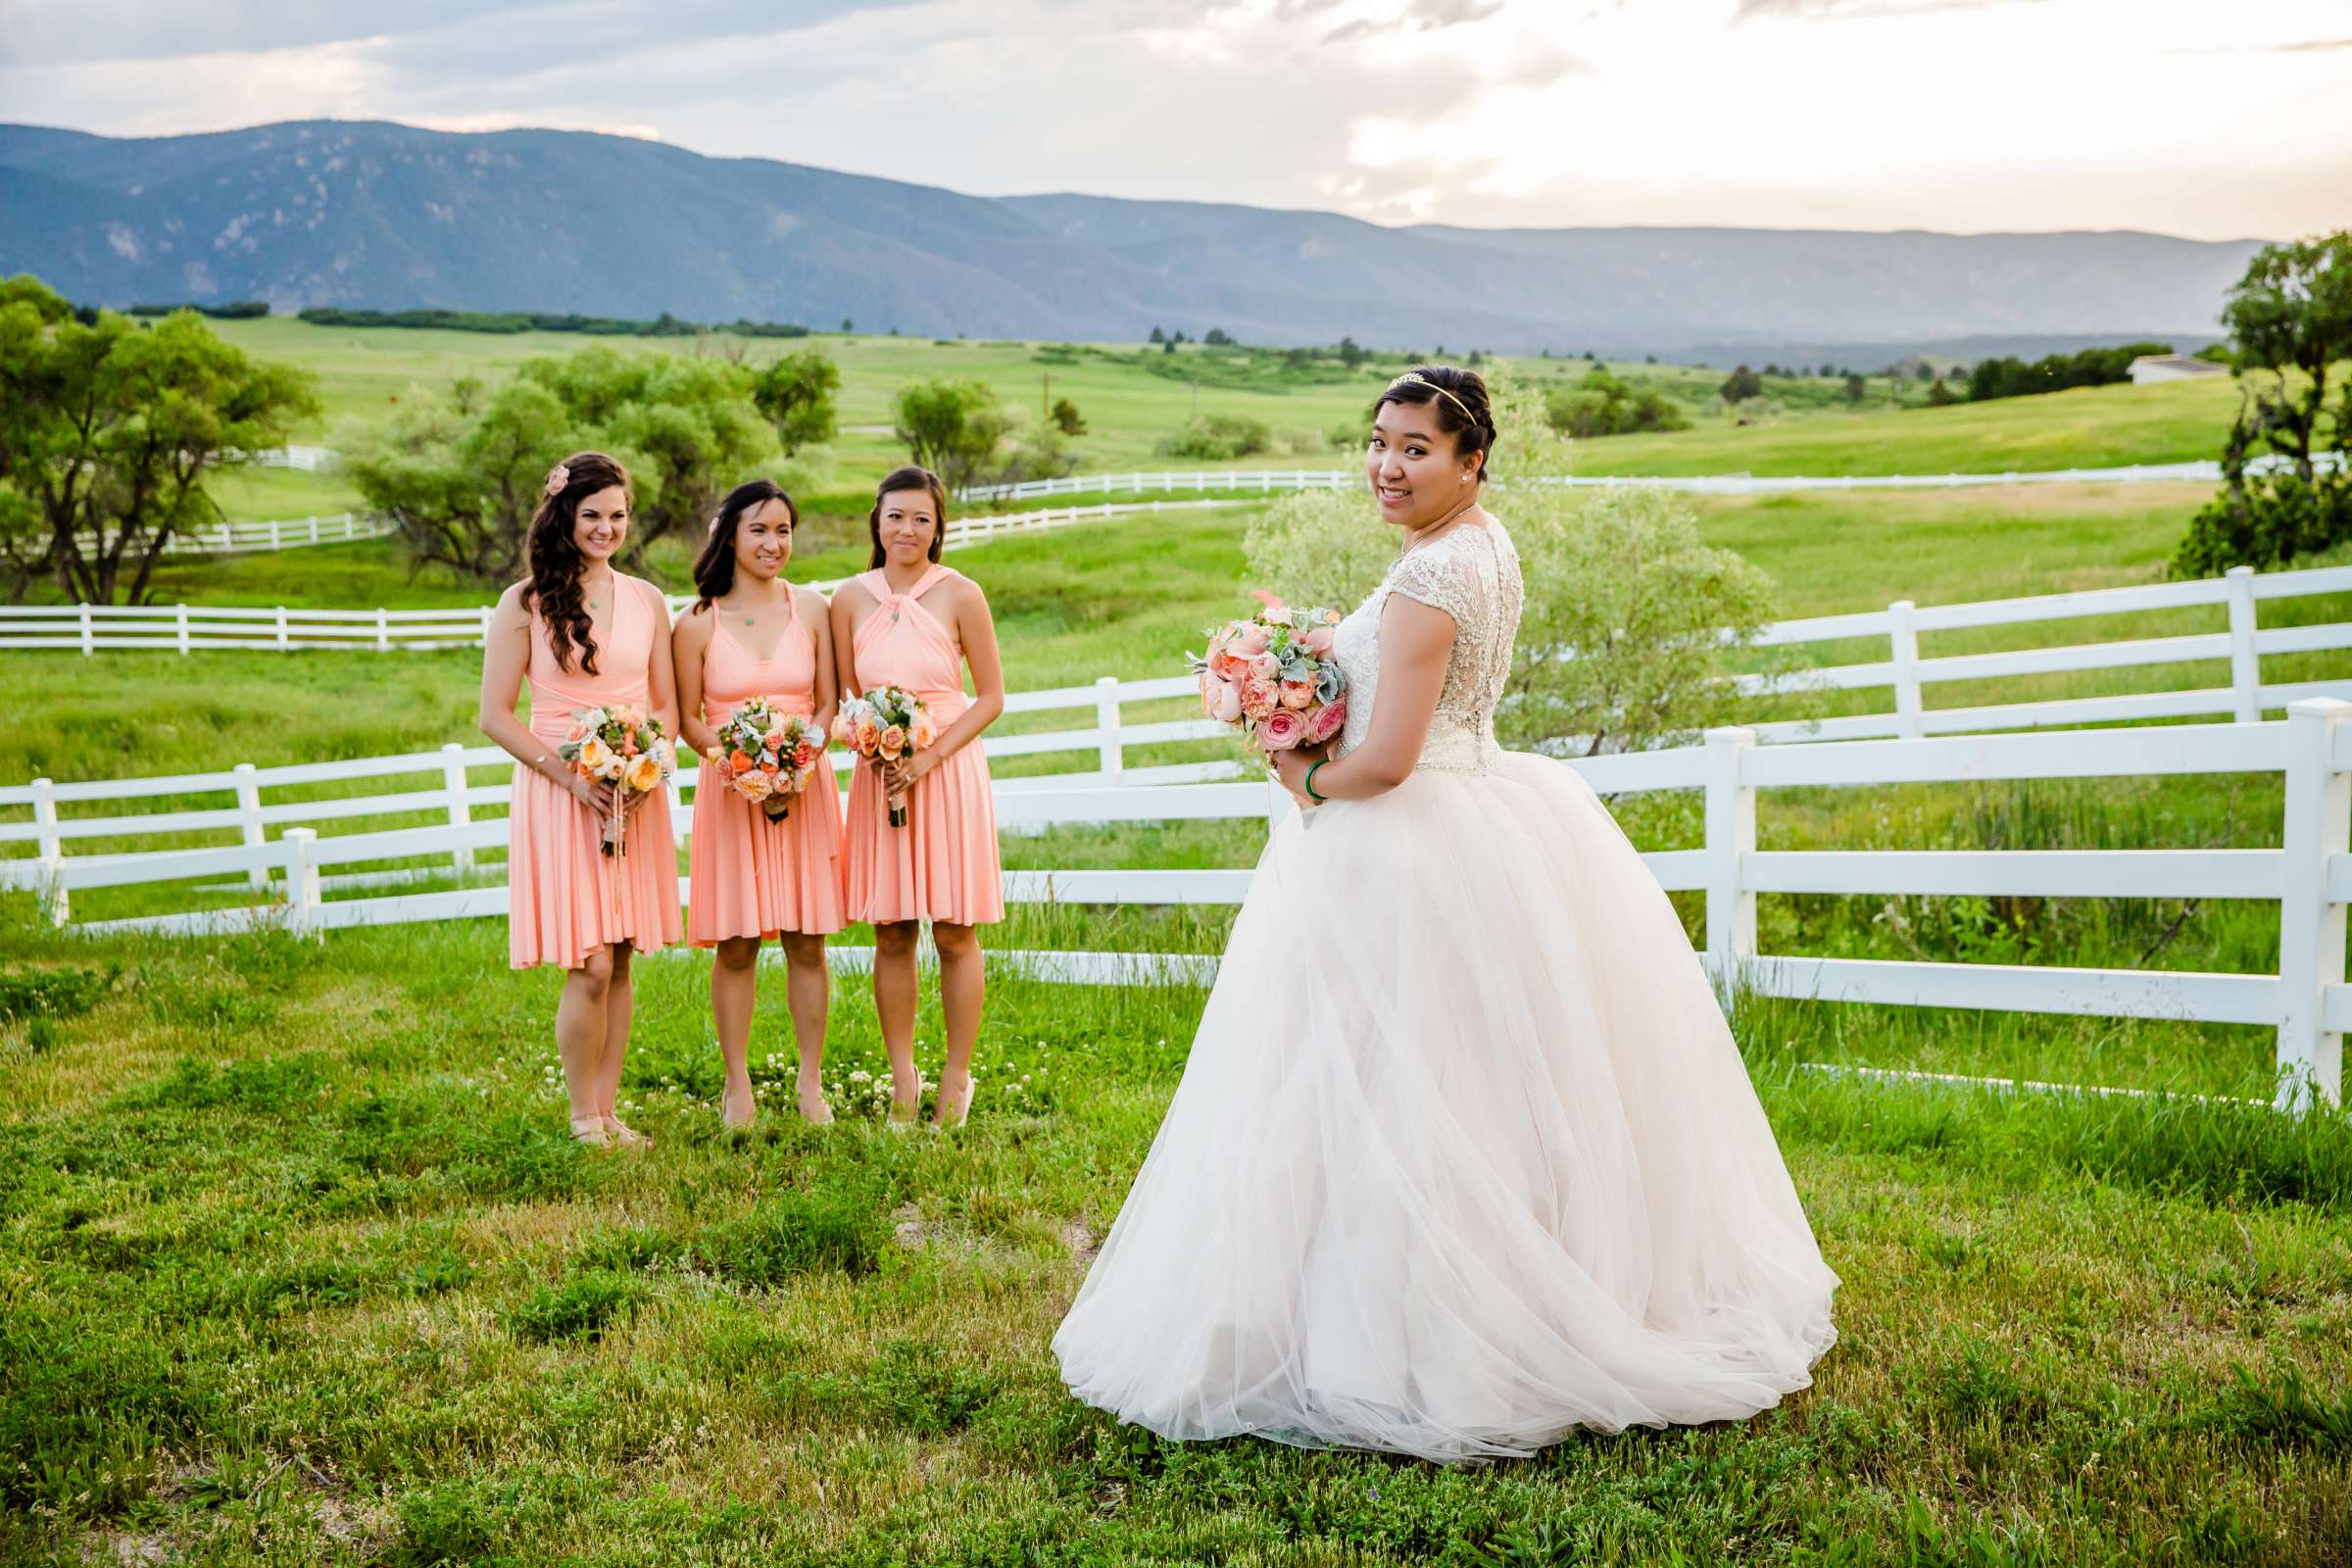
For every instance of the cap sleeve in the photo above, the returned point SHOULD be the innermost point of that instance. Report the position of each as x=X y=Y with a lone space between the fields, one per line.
x=1442 y=578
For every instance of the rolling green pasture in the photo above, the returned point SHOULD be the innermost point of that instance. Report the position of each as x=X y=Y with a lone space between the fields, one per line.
x=301 y=1268
x=1133 y=399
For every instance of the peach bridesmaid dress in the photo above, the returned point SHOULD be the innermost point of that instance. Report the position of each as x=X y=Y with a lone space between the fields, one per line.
x=943 y=865
x=565 y=897
x=751 y=877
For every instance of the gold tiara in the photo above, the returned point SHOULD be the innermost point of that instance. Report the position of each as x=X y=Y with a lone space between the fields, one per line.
x=1418 y=379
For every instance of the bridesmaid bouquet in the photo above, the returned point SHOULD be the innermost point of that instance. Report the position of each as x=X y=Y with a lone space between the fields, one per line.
x=621 y=747
x=882 y=726
x=770 y=759
x=1272 y=676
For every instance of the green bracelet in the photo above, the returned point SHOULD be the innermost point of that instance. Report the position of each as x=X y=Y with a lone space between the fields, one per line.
x=1309 y=781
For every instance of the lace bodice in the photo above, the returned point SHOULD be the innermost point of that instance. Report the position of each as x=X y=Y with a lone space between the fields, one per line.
x=1471 y=573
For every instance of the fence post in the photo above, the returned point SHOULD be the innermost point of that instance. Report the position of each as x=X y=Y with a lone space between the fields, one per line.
x=460 y=813
x=278 y=534
x=56 y=906
x=249 y=819
x=383 y=631
x=1731 y=835
x=50 y=843
x=485 y=614
x=1113 y=757
x=183 y=629
x=1903 y=639
x=2310 y=926
x=89 y=633
x=2245 y=666
x=285 y=637
x=303 y=901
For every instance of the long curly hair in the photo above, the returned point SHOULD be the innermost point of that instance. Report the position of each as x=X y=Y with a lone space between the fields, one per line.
x=714 y=567
x=555 y=559
x=909 y=477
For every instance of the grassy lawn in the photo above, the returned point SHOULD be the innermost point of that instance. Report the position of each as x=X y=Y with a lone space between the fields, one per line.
x=300 y=1267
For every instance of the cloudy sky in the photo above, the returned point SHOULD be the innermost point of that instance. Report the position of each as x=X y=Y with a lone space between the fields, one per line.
x=2188 y=116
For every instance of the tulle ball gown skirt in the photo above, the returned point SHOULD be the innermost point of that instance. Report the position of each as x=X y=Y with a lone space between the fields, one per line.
x=1464 y=1157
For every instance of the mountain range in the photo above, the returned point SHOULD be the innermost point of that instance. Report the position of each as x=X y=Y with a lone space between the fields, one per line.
x=381 y=216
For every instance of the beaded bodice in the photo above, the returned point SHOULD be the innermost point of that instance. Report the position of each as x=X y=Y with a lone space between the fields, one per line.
x=1472 y=574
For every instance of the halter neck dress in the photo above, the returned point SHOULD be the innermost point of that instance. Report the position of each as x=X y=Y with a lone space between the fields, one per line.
x=565 y=897
x=749 y=876
x=943 y=865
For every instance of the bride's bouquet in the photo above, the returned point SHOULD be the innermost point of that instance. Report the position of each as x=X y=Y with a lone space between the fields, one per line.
x=882 y=726
x=1272 y=676
x=623 y=746
x=769 y=760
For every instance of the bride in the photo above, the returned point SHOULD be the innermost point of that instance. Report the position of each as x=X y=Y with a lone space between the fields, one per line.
x=1464 y=1157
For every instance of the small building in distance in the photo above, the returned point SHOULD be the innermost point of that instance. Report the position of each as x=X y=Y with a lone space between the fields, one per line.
x=2172 y=367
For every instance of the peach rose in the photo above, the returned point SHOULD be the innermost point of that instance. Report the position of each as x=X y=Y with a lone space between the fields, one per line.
x=926 y=730
x=594 y=756
x=1282 y=729
x=578 y=732
x=755 y=787
x=643 y=774
x=774 y=740
x=893 y=744
x=1297 y=693
x=1224 y=702
x=742 y=761
x=1266 y=667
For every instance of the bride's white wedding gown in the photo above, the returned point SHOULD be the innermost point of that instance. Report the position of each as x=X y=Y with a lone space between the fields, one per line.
x=1464 y=1155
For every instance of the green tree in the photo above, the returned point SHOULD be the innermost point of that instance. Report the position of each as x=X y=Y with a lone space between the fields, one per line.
x=796 y=394
x=110 y=431
x=1856 y=389
x=1630 y=626
x=954 y=428
x=1066 y=418
x=1941 y=396
x=1352 y=353
x=1741 y=383
x=1609 y=404
x=687 y=428
x=2290 y=316
x=460 y=477
x=1157 y=336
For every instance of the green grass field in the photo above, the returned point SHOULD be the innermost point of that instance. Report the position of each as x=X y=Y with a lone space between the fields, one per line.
x=1134 y=399
x=301 y=1268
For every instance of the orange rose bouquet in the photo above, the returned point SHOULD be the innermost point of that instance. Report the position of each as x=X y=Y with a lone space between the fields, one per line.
x=882 y=726
x=769 y=760
x=623 y=746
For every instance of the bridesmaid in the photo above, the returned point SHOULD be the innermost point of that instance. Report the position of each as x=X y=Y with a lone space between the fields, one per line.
x=754 y=634
x=912 y=622
x=588 y=636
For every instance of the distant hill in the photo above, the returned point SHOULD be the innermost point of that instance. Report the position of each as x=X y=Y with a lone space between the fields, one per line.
x=384 y=216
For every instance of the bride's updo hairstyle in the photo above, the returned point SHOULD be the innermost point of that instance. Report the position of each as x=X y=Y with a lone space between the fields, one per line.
x=1460 y=398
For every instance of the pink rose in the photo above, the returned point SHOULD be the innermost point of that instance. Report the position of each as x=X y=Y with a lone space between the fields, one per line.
x=1224 y=702
x=1250 y=642
x=1266 y=667
x=1282 y=729
x=1329 y=722
x=1319 y=640
x=1297 y=693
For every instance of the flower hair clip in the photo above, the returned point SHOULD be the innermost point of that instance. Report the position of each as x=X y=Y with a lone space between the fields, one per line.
x=556 y=478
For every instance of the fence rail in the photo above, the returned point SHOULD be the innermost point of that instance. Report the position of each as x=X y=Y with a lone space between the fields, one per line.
x=1268 y=480
x=1905 y=673
x=2306 y=1001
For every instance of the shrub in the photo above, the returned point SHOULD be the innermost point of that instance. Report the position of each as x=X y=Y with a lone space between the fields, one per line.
x=1219 y=438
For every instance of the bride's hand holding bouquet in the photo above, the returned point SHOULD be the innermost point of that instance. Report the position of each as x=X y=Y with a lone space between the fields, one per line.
x=1272 y=676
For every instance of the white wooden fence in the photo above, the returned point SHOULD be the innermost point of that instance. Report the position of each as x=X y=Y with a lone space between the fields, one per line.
x=285 y=533
x=2307 y=1002
x=1268 y=480
x=1905 y=673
